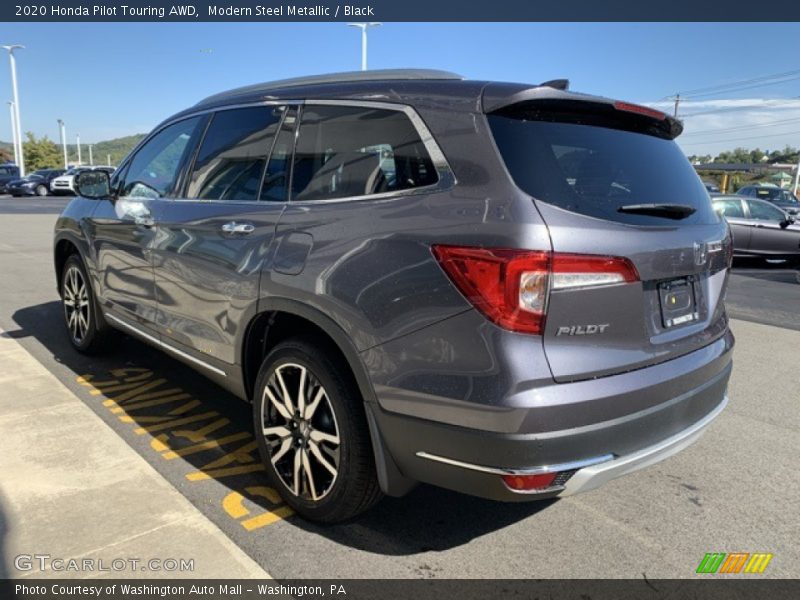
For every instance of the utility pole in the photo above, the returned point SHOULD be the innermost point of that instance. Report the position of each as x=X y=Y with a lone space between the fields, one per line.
x=677 y=102
x=78 y=141
x=796 y=175
x=91 y=160
x=363 y=27
x=14 y=136
x=12 y=61
x=63 y=132
x=108 y=159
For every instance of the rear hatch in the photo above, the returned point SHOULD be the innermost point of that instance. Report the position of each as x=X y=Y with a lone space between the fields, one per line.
x=608 y=179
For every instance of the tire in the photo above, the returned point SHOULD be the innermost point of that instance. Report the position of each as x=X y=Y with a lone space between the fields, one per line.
x=41 y=190
x=297 y=446
x=88 y=331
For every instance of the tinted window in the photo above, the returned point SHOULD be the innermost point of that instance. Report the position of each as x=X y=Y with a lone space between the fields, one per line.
x=729 y=208
x=154 y=170
x=276 y=179
x=346 y=151
x=233 y=154
x=765 y=212
x=595 y=170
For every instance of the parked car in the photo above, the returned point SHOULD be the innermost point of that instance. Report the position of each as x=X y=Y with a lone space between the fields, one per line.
x=780 y=197
x=63 y=185
x=8 y=172
x=509 y=290
x=35 y=184
x=711 y=186
x=760 y=228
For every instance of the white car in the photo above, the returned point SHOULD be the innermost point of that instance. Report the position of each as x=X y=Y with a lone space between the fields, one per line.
x=64 y=183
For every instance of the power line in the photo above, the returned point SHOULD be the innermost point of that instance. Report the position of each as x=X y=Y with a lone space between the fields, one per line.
x=754 y=137
x=734 y=84
x=763 y=104
x=743 y=127
x=747 y=87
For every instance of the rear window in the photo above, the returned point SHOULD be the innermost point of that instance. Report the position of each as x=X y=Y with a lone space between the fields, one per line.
x=594 y=170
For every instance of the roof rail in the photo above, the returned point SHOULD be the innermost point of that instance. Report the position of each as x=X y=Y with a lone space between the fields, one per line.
x=347 y=76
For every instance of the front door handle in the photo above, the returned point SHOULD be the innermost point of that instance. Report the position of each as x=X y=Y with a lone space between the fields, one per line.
x=144 y=220
x=242 y=228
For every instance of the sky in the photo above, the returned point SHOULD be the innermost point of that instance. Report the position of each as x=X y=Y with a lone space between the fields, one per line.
x=107 y=80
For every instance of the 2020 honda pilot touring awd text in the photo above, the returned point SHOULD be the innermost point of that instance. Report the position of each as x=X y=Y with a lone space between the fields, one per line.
x=508 y=290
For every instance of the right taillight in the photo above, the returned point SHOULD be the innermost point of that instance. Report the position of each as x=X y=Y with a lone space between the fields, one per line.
x=511 y=287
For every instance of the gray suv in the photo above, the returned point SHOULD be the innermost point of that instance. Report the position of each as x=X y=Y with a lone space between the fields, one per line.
x=509 y=290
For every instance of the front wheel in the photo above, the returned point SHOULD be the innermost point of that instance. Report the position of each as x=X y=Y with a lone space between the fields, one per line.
x=86 y=328
x=312 y=432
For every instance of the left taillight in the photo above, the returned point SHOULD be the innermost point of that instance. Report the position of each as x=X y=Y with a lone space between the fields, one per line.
x=511 y=287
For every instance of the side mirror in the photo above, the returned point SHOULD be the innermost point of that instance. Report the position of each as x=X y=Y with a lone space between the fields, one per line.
x=93 y=184
x=786 y=222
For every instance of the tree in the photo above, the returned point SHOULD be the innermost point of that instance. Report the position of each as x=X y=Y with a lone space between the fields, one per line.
x=41 y=153
x=5 y=155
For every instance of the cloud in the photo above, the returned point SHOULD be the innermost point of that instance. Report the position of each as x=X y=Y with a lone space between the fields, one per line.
x=711 y=126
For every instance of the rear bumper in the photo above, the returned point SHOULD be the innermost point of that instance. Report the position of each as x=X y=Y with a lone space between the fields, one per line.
x=677 y=402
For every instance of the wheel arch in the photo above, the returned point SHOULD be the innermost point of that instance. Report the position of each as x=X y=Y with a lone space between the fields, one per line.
x=281 y=318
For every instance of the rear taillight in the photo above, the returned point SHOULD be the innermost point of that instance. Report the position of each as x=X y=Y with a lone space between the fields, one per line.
x=511 y=287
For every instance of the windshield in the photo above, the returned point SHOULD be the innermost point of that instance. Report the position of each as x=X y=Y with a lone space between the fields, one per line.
x=599 y=170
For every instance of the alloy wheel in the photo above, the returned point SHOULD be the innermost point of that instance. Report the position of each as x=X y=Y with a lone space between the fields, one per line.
x=300 y=429
x=76 y=304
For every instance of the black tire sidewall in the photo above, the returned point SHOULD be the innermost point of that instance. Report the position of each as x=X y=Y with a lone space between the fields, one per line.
x=348 y=409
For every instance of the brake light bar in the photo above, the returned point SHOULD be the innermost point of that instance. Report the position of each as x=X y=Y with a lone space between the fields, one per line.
x=640 y=110
x=511 y=287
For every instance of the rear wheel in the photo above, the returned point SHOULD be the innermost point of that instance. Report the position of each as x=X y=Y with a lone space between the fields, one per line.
x=86 y=328
x=312 y=432
x=41 y=190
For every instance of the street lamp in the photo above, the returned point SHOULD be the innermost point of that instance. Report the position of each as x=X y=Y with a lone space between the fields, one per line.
x=20 y=157
x=363 y=27
x=63 y=132
x=14 y=140
x=91 y=160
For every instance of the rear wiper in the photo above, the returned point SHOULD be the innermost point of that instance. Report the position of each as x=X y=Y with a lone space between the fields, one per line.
x=668 y=211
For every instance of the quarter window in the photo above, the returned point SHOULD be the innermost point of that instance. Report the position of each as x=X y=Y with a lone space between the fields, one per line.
x=344 y=152
x=231 y=159
x=154 y=170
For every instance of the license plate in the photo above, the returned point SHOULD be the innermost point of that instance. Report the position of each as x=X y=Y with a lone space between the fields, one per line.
x=678 y=303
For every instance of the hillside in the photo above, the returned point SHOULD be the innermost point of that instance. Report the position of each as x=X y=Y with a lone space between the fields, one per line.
x=117 y=148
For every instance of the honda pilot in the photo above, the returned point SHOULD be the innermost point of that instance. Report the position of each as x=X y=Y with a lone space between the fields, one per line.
x=509 y=290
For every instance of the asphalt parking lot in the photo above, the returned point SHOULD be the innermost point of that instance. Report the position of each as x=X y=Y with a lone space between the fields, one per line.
x=736 y=490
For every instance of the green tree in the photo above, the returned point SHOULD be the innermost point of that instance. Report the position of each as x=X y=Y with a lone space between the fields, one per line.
x=41 y=153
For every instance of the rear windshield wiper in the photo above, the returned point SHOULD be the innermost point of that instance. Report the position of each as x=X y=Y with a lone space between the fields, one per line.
x=668 y=211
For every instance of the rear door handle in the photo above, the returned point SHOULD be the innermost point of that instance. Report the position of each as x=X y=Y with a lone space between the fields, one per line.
x=234 y=227
x=144 y=220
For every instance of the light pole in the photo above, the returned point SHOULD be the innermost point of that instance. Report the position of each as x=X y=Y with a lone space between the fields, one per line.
x=13 y=63
x=363 y=27
x=14 y=138
x=796 y=176
x=78 y=142
x=63 y=132
x=91 y=160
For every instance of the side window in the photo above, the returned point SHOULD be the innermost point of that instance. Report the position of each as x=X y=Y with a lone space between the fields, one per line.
x=729 y=208
x=276 y=179
x=233 y=154
x=154 y=169
x=764 y=212
x=347 y=151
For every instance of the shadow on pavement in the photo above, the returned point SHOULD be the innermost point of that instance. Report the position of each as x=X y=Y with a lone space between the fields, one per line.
x=4 y=529
x=179 y=422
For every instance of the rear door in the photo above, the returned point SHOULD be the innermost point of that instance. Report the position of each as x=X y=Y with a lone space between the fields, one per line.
x=212 y=243
x=613 y=183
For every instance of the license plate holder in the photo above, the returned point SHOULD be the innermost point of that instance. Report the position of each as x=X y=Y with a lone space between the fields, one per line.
x=678 y=302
